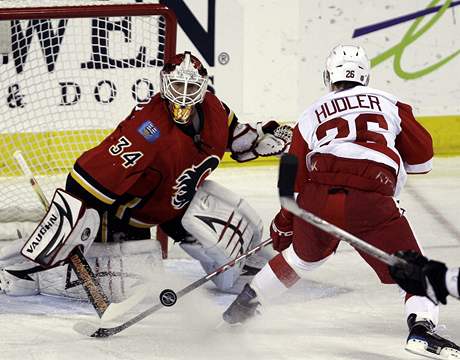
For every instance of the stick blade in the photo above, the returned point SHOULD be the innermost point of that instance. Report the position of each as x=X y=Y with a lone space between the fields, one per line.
x=117 y=310
x=86 y=328
x=287 y=174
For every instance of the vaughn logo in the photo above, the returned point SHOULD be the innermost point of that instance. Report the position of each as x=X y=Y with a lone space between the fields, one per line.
x=42 y=230
x=191 y=178
x=53 y=230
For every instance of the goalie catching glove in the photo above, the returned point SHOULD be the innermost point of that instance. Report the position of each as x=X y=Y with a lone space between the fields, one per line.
x=248 y=143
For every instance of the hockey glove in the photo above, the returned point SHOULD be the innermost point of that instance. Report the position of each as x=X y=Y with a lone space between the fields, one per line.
x=422 y=277
x=435 y=273
x=281 y=230
x=248 y=143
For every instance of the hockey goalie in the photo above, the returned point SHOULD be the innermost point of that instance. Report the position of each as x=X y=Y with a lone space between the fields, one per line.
x=150 y=171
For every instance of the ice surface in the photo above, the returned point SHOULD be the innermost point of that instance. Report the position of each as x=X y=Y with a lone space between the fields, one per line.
x=340 y=312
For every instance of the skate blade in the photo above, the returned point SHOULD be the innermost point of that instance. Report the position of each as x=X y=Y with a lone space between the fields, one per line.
x=223 y=325
x=419 y=347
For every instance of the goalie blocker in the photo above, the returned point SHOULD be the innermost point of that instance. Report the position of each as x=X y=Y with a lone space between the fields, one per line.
x=67 y=225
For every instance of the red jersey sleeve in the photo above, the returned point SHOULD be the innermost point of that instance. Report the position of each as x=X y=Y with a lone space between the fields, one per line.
x=300 y=149
x=413 y=143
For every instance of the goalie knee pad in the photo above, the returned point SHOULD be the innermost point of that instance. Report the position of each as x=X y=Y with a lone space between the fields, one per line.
x=224 y=227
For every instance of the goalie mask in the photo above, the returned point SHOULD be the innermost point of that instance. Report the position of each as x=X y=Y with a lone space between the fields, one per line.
x=183 y=83
x=347 y=63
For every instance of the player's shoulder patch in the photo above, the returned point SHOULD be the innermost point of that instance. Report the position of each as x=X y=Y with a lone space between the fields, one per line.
x=149 y=131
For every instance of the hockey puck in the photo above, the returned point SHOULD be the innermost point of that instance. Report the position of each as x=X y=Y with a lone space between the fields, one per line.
x=168 y=297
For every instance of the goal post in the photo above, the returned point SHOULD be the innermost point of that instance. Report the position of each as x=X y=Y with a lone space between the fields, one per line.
x=68 y=76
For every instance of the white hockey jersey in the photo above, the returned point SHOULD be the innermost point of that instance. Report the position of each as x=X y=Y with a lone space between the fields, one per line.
x=364 y=124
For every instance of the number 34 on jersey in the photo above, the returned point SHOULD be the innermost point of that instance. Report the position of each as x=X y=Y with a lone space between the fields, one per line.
x=121 y=149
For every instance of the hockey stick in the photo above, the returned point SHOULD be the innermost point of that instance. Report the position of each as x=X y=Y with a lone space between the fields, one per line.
x=286 y=179
x=167 y=298
x=77 y=260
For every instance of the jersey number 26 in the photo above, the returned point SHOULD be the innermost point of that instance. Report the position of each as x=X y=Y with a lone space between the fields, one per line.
x=363 y=134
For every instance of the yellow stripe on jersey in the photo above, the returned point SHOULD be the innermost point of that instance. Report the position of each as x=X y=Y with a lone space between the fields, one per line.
x=122 y=208
x=231 y=115
x=91 y=189
x=139 y=224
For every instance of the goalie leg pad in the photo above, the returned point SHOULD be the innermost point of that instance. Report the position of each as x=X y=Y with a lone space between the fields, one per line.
x=210 y=259
x=119 y=268
x=17 y=274
x=224 y=226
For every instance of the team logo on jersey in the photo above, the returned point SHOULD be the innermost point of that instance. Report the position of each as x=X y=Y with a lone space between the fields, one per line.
x=149 y=131
x=191 y=178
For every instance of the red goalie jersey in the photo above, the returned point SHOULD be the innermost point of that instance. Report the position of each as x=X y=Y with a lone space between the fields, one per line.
x=148 y=169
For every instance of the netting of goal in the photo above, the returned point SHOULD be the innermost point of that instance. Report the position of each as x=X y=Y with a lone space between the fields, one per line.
x=68 y=75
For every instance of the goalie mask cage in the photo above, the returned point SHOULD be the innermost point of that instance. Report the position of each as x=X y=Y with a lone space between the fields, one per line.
x=68 y=76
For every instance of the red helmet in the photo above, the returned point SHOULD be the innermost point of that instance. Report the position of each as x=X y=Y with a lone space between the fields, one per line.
x=184 y=80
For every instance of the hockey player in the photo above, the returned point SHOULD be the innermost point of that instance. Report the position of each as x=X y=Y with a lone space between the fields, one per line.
x=430 y=278
x=355 y=146
x=147 y=171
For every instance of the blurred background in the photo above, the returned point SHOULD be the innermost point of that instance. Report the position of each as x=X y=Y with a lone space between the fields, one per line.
x=267 y=56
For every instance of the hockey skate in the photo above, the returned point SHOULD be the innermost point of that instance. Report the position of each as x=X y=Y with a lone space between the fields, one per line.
x=243 y=307
x=422 y=340
x=253 y=265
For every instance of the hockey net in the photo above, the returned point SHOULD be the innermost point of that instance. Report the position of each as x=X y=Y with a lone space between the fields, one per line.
x=68 y=76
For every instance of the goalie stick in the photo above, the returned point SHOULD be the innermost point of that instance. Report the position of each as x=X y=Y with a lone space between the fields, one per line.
x=77 y=261
x=167 y=298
